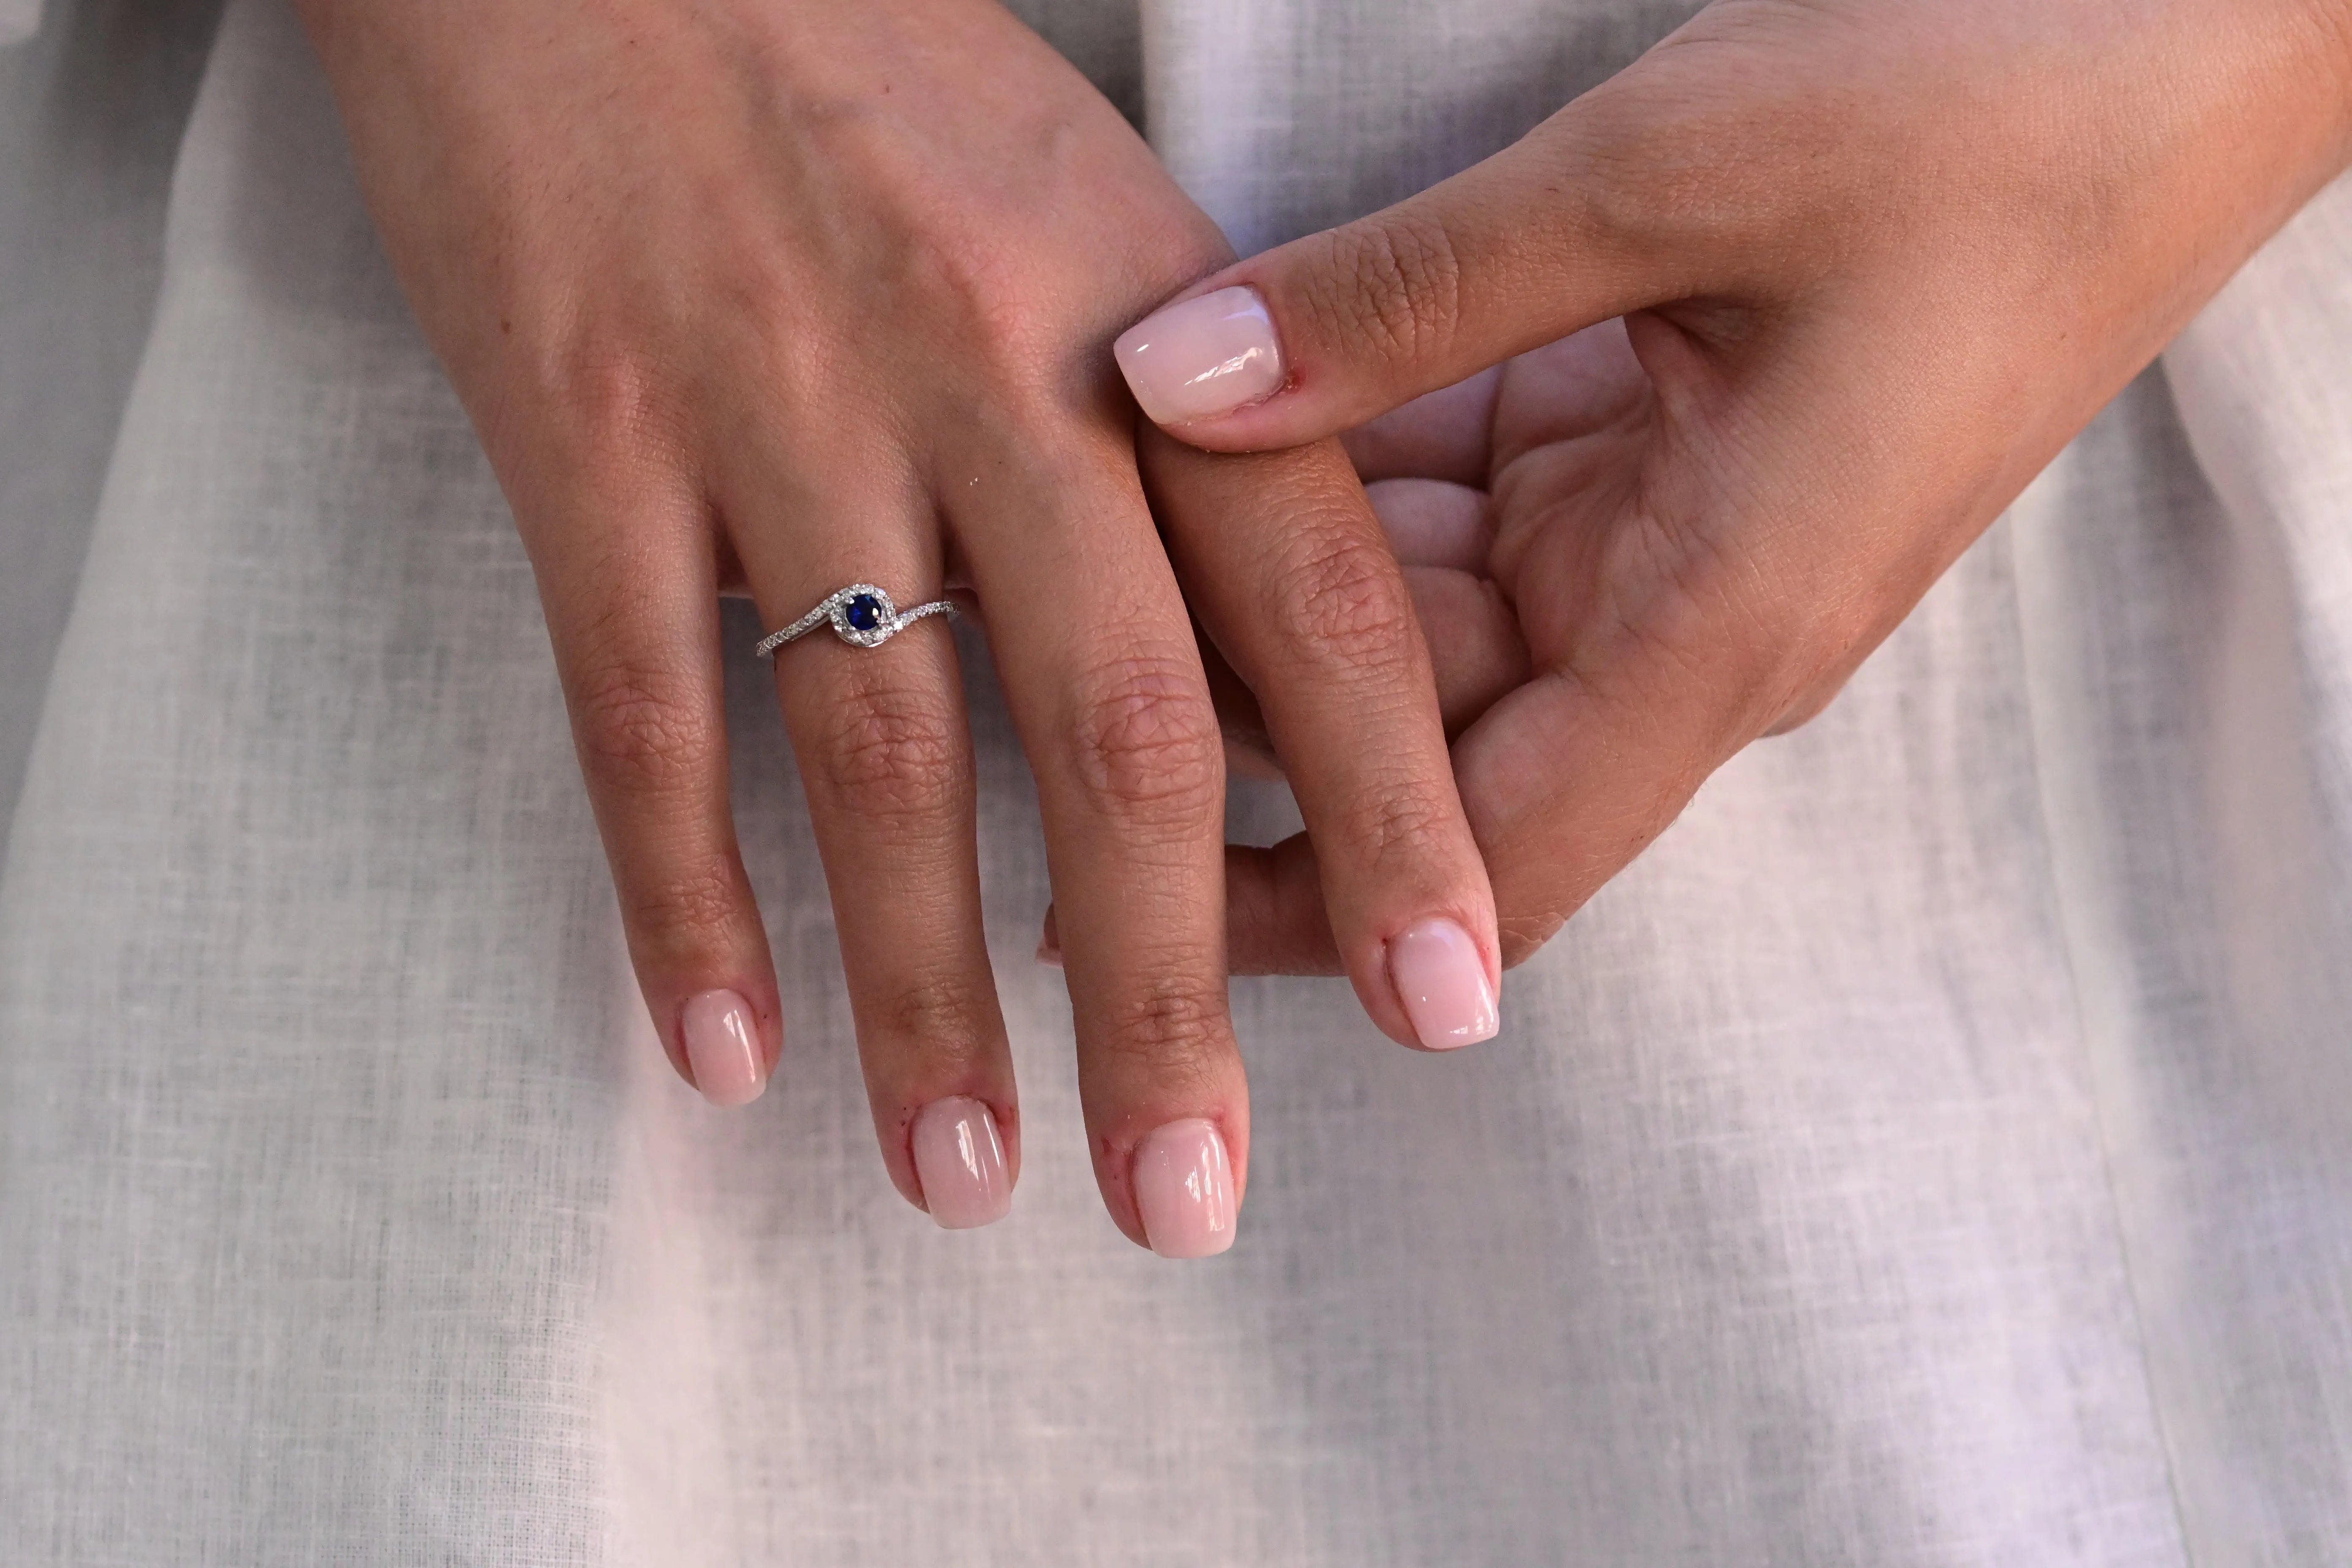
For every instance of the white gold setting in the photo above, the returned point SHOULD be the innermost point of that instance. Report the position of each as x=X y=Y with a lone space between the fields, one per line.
x=862 y=615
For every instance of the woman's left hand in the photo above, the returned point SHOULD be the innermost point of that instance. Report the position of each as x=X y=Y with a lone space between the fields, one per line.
x=1876 y=262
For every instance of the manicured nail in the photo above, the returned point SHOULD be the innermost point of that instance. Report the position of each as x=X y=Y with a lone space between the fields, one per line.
x=722 y=1046
x=1184 y=1185
x=1209 y=355
x=959 y=1160
x=1441 y=979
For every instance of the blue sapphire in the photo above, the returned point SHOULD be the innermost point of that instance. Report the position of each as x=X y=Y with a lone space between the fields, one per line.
x=863 y=613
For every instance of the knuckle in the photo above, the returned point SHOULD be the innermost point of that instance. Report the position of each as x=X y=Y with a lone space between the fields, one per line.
x=890 y=752
x=985 y=287
x=608 y=396
x=1146 y=739
x=1394 y=286
x=1015 y=337
x=1403 y=820
x=1175 y=1033
x=1343 y=601
x=942 y=1015
x=641 y=730
x=682 y=910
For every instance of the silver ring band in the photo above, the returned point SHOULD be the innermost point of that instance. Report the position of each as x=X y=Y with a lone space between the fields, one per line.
x=862 y=615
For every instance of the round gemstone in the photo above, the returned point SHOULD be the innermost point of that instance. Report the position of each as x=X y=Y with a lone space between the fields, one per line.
x=863 y=613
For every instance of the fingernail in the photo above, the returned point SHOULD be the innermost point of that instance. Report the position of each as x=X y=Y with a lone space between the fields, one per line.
x=959 y=1160
x=1209 y=355
x=1184 y=1185
x=1437 y=972
x=722 y=1046
x=1049 y=954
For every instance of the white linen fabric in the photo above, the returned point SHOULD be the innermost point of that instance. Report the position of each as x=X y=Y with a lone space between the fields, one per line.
x=1933 y=1152
x=90 y=117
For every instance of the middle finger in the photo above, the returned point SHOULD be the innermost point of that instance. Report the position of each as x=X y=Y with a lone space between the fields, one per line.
x=1106 y=686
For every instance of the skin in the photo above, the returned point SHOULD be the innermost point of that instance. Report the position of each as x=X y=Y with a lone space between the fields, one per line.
x=788 y=295
x=1835 y=280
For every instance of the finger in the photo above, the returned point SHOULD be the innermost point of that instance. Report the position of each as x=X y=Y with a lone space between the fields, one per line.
x=1474 y=641
x=1288 y=570
x=1277 y=922
x=632 y=609
x=1443 y=435
x=885 y=755
x=1474 y=648
x=1695 y=609
x=1249 y=750
x=1442 y=533
x=1557 y=232
x=1104 y=685
x=1433 y=522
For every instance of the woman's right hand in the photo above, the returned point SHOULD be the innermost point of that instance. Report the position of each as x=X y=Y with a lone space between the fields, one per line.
x=805 y=294
x=1787 y=312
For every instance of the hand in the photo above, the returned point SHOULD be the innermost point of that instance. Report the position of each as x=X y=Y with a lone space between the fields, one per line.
x=801 y=294
x=1877 y=261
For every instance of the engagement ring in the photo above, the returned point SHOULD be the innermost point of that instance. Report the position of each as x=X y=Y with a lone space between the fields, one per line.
x=861 y=614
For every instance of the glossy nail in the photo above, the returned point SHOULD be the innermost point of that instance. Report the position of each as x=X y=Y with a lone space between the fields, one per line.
x=1184 y=1185
x=722 y=1046
x=1202 y=357
x=959 y=1160
x=1441 y=981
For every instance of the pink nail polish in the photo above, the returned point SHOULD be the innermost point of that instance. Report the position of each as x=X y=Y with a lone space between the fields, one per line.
x=1441 y=981
x=1184 y=1185
x=1206 y=357
x=959 y=1160
x=722 y=1046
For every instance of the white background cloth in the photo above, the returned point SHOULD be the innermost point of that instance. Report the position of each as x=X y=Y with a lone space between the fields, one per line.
x=1933 y=1152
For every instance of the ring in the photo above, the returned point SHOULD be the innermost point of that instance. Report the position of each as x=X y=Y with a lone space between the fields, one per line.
x=861 y=615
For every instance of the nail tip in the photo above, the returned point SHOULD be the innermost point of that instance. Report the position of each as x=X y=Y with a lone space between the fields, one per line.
x=1195 y=1254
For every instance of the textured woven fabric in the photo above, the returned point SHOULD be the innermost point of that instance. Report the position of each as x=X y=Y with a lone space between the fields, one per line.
x=1936 y=1149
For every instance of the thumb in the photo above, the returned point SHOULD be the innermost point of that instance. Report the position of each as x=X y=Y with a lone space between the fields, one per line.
x=1317 y=336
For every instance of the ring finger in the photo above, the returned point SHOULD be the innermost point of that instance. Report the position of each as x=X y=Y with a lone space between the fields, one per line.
x=885 y=756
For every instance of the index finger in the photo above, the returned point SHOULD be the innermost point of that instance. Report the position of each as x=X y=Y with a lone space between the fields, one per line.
x=1291 y=573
